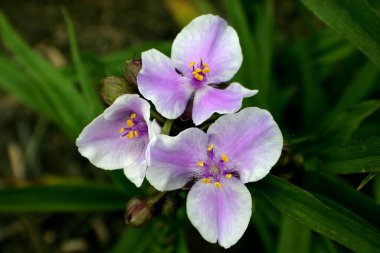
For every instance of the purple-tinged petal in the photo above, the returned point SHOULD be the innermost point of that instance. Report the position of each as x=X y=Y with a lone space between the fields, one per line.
x=173 y=160
x=220 y=214
x=210 y=39
x=154 y=129
x=210 y=100
x=251 y=139
x=126 y=104
x=101 y=143
x=136 y=171
x=159 y=82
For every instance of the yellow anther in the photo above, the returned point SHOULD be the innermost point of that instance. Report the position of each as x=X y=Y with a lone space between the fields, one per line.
x=136 y=133
x=225 y=158
x=200 y=164
x=217 y=184
x=229 y=175
x=196 y=71
x=206 y=70
x=191 y=64
x=133 y=115
x=130 y=135
x=210 y=147
x=130 y=123
x=204 y=64
x=206 y=180
x=122 y=130
x=198 y=77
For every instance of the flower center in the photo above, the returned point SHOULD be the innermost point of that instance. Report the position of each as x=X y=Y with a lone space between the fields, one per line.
x=215 y=168
x=134 y=127
x=199 y=70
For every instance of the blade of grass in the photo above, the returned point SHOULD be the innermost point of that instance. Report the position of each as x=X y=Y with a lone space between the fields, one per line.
x=91 y=97
x=313 y=213
x=355 y=19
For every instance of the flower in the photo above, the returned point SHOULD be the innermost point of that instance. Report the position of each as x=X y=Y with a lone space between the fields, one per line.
x=237 y=149
x=204 y=54
x=118 y=138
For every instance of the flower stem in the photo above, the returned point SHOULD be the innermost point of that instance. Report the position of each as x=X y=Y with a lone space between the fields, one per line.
x=167 y=126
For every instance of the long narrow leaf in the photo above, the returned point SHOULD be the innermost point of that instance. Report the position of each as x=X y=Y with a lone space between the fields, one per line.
x=355 y=19
x=310 y=211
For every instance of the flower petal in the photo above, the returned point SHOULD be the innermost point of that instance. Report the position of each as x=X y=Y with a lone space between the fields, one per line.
x=173 y=160
x=136 y=171
x=251 y=139
x=159 y=82
x=209 y=100
x=210 y=39
x=220 y=214
x=101 y=143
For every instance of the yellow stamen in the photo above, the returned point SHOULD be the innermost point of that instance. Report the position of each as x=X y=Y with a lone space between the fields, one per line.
x=206 y=180
x=136 y=133
x=196 y=71
x=210 y=147
x=204 y=64
x=191 y=64
x=228 y=176
x=206 y=70
x=225 y=158
x=200 y=164
x=122 y=130
x=217 y=184
x=198 y=77
x=130 y=135
x=130 y=123
x=133 y=115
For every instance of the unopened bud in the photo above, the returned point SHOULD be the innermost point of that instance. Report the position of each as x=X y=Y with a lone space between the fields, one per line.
x=132 y=68
x=138 y=212
x=170 y=205
x=113 y=87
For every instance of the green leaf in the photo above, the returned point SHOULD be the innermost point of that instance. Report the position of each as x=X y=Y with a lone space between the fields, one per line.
x=294 y=237
x=63 y=197
x=313 y=213
x=354 y=19
x=136 y=240
x=346 y=123
x=355 y=157
x=89 y=92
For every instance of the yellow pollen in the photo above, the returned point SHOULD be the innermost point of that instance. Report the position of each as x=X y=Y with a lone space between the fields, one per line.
x=200 y=164
x=206 y=70
x=229 y=175
x=225 y=158
x=217 y=184
x=204 y=64
x=196 y=71
x=198 y=77
x=206 y=180
x=210 y=147
x=130 y=123
x=191 y=64
x=133 y=115
x=122 y=130
x=130 y=135
x=136 y=133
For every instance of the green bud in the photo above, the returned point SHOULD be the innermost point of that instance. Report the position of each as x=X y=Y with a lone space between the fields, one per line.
x=132 y=68
x=138 y=212
x=113 y=87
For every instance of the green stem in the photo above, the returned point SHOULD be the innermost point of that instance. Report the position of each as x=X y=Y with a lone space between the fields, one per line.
x=167 y=126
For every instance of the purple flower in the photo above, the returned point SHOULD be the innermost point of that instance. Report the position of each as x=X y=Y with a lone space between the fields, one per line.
x=118 y=138
x=204 y=54
x=237 y=149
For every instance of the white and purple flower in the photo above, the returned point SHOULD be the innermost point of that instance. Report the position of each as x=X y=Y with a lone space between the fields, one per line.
x=204 y=54
x=237 y=149
x=118 y=138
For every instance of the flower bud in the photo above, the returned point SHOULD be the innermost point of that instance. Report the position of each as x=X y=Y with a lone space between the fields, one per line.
x=113 y=87
x=132 y=68
x=138 y=212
